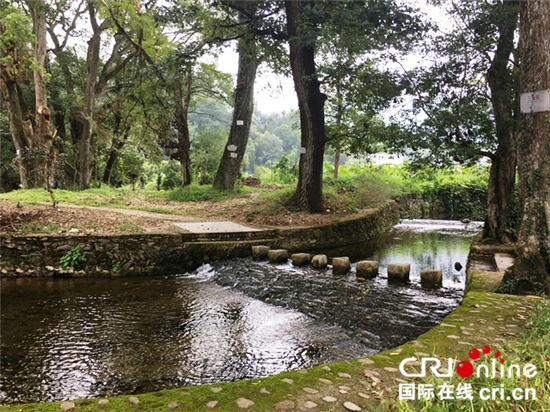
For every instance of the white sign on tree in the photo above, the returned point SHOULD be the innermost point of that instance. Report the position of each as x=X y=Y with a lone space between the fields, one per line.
x=535 y=102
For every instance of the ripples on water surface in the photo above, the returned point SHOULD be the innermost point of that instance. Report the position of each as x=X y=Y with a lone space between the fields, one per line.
x=76 y=338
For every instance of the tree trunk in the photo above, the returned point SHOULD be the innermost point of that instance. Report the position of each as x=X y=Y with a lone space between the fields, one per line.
x=42 y=163
x=231 y=161
x=118 y=143
x=21 y=140
x=336 y=163
x=339 y=114
x=309 y=192
x=503 y=98
x=531 y=270
x=182 y=126
x=92 y=61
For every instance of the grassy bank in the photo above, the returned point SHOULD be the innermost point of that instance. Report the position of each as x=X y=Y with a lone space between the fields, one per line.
x=461 y=190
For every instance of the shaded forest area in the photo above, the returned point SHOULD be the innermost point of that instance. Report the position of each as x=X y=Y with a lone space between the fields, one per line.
x=126 y=92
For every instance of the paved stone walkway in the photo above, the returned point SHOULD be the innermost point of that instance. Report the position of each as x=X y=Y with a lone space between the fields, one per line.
x=215 y=227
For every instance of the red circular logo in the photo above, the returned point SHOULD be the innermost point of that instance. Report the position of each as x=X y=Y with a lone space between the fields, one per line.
x=465 y=369
x=473 y=354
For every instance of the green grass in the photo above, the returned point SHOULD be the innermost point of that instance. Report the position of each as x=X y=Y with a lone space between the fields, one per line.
x=532 y=347
x=38 y=227
x=197 y=193
x=105 y=196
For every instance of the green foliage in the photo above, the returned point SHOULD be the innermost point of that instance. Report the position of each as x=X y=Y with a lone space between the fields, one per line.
x=73 y=258
x=208 y=146
x=170 y=174
x=15 y=37
x=460 y=191
x=283 y=172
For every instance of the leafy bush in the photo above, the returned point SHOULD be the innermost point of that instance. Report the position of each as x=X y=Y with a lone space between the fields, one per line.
x=73 y=258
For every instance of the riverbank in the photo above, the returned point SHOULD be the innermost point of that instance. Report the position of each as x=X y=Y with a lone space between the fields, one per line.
x=372 y=383
x=174 y=252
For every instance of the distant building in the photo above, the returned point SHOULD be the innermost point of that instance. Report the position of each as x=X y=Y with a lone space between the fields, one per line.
x=386 y=158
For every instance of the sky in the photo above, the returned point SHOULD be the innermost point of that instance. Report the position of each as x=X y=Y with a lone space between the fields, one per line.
x=275 y=93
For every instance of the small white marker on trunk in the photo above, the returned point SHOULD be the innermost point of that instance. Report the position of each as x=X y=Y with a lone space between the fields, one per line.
x=302 y=150
x=233 y=154
x=240 y=122
x=232 y=148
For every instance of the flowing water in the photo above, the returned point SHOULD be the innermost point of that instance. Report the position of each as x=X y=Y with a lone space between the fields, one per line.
x=77 y=338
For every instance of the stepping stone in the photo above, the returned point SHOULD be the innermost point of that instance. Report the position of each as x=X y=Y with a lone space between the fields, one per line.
x=328 y=382
x=371 y=372
x=465 y=343
x=302 y=371
x=465 y=332
x=284 y=405
x=453 y=337
x=422 y=354
x=260 y=252
x=418 y=344
x=329 y=399
x=244 y=403
x=326 y=368
x=133 y=399
x=398 y=380
x=184 y=393
x=447 y=325
x=343 y=391
x=300 y=259
x=216 y=389
x=174 y=405
x=363 y=395
x=67 y=406
x=352 y=407
x=383 y=357
x=310 y=405
x=389 y=369
x=344 y=388
x=103 y=401
x=211 y=404
x=366 y=361
x=310 y=390
x=287 y=380
x=344 y=375
x=264 y=390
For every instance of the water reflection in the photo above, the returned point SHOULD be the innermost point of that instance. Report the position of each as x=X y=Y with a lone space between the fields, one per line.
x=76 y=338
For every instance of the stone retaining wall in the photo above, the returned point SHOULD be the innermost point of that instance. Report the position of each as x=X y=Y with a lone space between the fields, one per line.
x=140 y=254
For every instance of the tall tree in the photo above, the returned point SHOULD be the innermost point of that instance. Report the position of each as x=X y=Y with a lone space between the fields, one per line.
x=531 y=270
x=501 y=78
x=230 y=164
x=469 y=97
x=311 y=101
x=259 y=27
x=33 y=138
